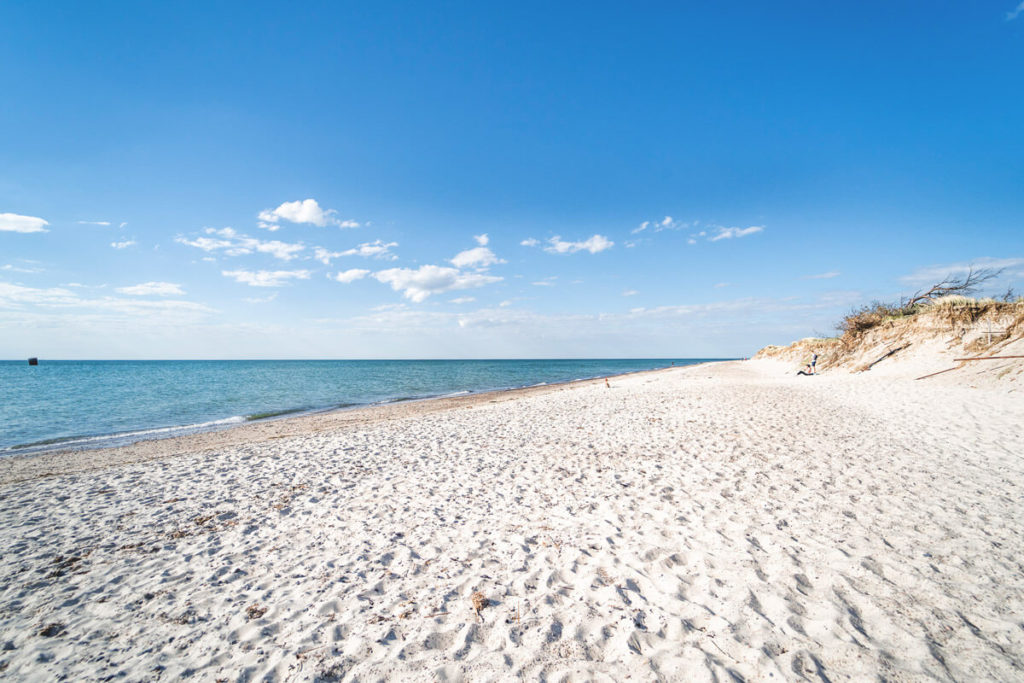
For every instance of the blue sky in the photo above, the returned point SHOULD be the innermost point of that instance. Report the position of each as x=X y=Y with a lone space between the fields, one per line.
x=421 y=180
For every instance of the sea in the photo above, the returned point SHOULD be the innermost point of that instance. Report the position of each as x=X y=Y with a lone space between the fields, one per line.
x=59 y=405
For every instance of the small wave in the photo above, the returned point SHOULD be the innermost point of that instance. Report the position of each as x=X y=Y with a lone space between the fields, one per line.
x=457 y=393
x=273 y=413
x=73 y=441
x=397 y=399
x=44 y=442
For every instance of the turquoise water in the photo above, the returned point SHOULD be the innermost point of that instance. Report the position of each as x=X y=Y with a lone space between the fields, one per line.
x=91 y=404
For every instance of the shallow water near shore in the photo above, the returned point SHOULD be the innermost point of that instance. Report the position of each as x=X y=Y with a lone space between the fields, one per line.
x=92 y=404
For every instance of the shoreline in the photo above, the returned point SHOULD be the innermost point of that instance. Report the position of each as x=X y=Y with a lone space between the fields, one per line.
x=727 y=520
x=17 y=467
x=159 y=422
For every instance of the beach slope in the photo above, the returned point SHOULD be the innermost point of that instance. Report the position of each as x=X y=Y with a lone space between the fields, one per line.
x=701 y=523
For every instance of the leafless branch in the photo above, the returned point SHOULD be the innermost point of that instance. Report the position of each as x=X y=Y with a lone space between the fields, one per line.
x=952 y=285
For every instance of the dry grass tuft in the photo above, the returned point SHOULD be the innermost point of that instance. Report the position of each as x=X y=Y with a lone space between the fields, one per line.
x=954 y=300
x=862 y=320
x=479 y=602
x=53 y=630
x=1015 y=326
x=255 y=611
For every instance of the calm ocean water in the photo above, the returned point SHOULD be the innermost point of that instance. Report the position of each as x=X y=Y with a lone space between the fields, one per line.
x=91 y=404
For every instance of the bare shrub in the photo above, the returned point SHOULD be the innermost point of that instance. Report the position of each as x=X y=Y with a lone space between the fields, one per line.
x=952 y=286
x=860 y=320
x=951 y=293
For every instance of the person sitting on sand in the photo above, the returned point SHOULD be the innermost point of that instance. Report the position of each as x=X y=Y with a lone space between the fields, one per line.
x=810 y=368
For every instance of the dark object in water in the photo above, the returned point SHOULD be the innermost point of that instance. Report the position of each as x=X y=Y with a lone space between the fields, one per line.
x=33 y=361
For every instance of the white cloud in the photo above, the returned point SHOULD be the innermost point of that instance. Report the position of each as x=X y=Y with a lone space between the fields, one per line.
x=1015 y=12
x=416 y=285
x=929 y=275
x=478 y=257
x=153 y=289
x=123 y=223
x=390 y=307
x=325 y=256
x=463 y=300
x=482 y=240
x=691 y=241
x=351 y=275
x=235 y=244
x=304 y=211
x=595 y=244
x=17 y=297
x=260 y=299
x=19 y=269
x=122 y=245
x=14 y=296
x=666 y=223
x=94 y=222
x=529 y=242
x=377 y=249
x=822 y=276
x=266 y=278
x=12 y=222
x=719 y=285
x=630 y=292
x=734 y=233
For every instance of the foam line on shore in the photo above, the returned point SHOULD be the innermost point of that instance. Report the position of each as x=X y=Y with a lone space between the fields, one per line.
x=162 y=440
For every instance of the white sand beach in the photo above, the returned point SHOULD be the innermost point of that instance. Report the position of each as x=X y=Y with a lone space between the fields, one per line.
x=718 y=522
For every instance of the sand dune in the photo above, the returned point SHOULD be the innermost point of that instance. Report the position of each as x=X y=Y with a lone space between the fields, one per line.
x=695 y=524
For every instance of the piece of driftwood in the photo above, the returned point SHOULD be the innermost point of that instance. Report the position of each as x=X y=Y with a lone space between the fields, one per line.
x=988 y=358
x=886 y=356
x=938 y=373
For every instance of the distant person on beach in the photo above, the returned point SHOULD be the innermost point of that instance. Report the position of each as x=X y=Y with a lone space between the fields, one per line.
x=810 y=368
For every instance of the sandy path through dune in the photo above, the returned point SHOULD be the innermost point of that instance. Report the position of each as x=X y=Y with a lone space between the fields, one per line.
x=694 y=524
